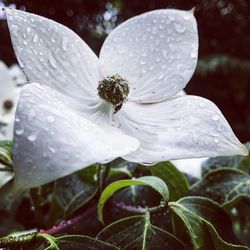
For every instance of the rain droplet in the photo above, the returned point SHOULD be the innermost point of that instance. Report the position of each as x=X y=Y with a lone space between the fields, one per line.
x=216 y=140
x=35 y=38
x=14 y=29
x=28 y=30
x=52 y=60
x=19 y=131
x=193 y=54
x=179 y=27
x=52 y=149
x=50 y=119
x=32 y=137
x=215 y=117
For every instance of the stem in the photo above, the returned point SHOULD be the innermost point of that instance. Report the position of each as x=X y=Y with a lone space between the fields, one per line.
x=141 y=210
x=68 y=223
x=9 y=241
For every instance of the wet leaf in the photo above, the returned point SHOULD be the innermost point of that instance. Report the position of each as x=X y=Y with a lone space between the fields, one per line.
x=137 y=232
x=177 y=182
x=154 y=182
x=222 y=185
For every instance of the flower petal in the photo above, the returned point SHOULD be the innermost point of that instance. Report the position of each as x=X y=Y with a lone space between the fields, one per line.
x=51 y=140
x=181 y=128
x=190 y=166
x=54 y=55
x=156 y=52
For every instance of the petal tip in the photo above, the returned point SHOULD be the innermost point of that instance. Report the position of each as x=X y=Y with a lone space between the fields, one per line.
x=192 y=11
x=244 y=151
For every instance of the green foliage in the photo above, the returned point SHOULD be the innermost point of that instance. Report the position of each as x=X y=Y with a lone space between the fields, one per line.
x=154 y=209
x=154 y=182
x=137 y=232
x=240 y=162
x=175 y=180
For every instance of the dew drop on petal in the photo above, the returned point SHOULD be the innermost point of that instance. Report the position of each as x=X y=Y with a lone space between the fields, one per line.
x=52 y=149
x=32 y=137
x=179 y=27
x=19 y=131
x=35 y=38
x=215 y=117
x=28 y=29
x=216 y=140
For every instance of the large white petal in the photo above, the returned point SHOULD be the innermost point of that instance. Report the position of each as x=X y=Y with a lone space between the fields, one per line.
x=184 y=127
x=52 y=141
x=156 y=51
x=54 y=55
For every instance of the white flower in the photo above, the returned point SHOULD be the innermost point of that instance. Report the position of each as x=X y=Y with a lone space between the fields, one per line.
x=63 y=124
x=10 y=79
x=190 y=166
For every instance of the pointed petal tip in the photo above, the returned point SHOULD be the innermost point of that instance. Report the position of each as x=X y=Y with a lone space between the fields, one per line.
x=192 y=10
x=244 y=151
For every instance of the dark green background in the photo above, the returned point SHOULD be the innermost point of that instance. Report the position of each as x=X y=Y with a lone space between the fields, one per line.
x=223 y=70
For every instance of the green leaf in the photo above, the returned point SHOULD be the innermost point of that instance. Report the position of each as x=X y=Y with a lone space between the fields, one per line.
x=238 y=161
x=72 y=193
x=212 y=212
x=78 y=242
x=154 y=182
x=222 y=185
x=201 y=232
x=177 y=183
x=6 y=151
x=5 y=177
x=137 y=232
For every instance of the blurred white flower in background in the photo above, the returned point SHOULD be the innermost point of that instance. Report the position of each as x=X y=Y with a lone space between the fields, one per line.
x=81 y=109
x=11 y=79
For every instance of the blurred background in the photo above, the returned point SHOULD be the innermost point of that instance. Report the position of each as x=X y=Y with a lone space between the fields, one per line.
x=223 y=72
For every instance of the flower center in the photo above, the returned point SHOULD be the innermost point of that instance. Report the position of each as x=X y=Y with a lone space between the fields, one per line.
x=114 y=89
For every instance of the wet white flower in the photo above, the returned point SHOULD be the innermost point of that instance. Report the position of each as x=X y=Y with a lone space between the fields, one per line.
x=82 y=110
x=10 y=80
x=190 y=166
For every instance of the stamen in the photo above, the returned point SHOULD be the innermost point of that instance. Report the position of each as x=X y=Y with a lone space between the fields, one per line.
x=114 y=89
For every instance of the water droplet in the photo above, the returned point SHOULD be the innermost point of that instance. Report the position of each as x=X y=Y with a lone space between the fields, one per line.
x=52 y=60
x=35 y=38
x=142 y=62
x=193 y=53
x=160 y=77
x=215 y=117
x=32 y=137
x=179 y=27
x=50 y=119
x=14 y=29
x=28 y=29
x=19 y=131
x=52 y=149
x=53 y=40
x=216 y=140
